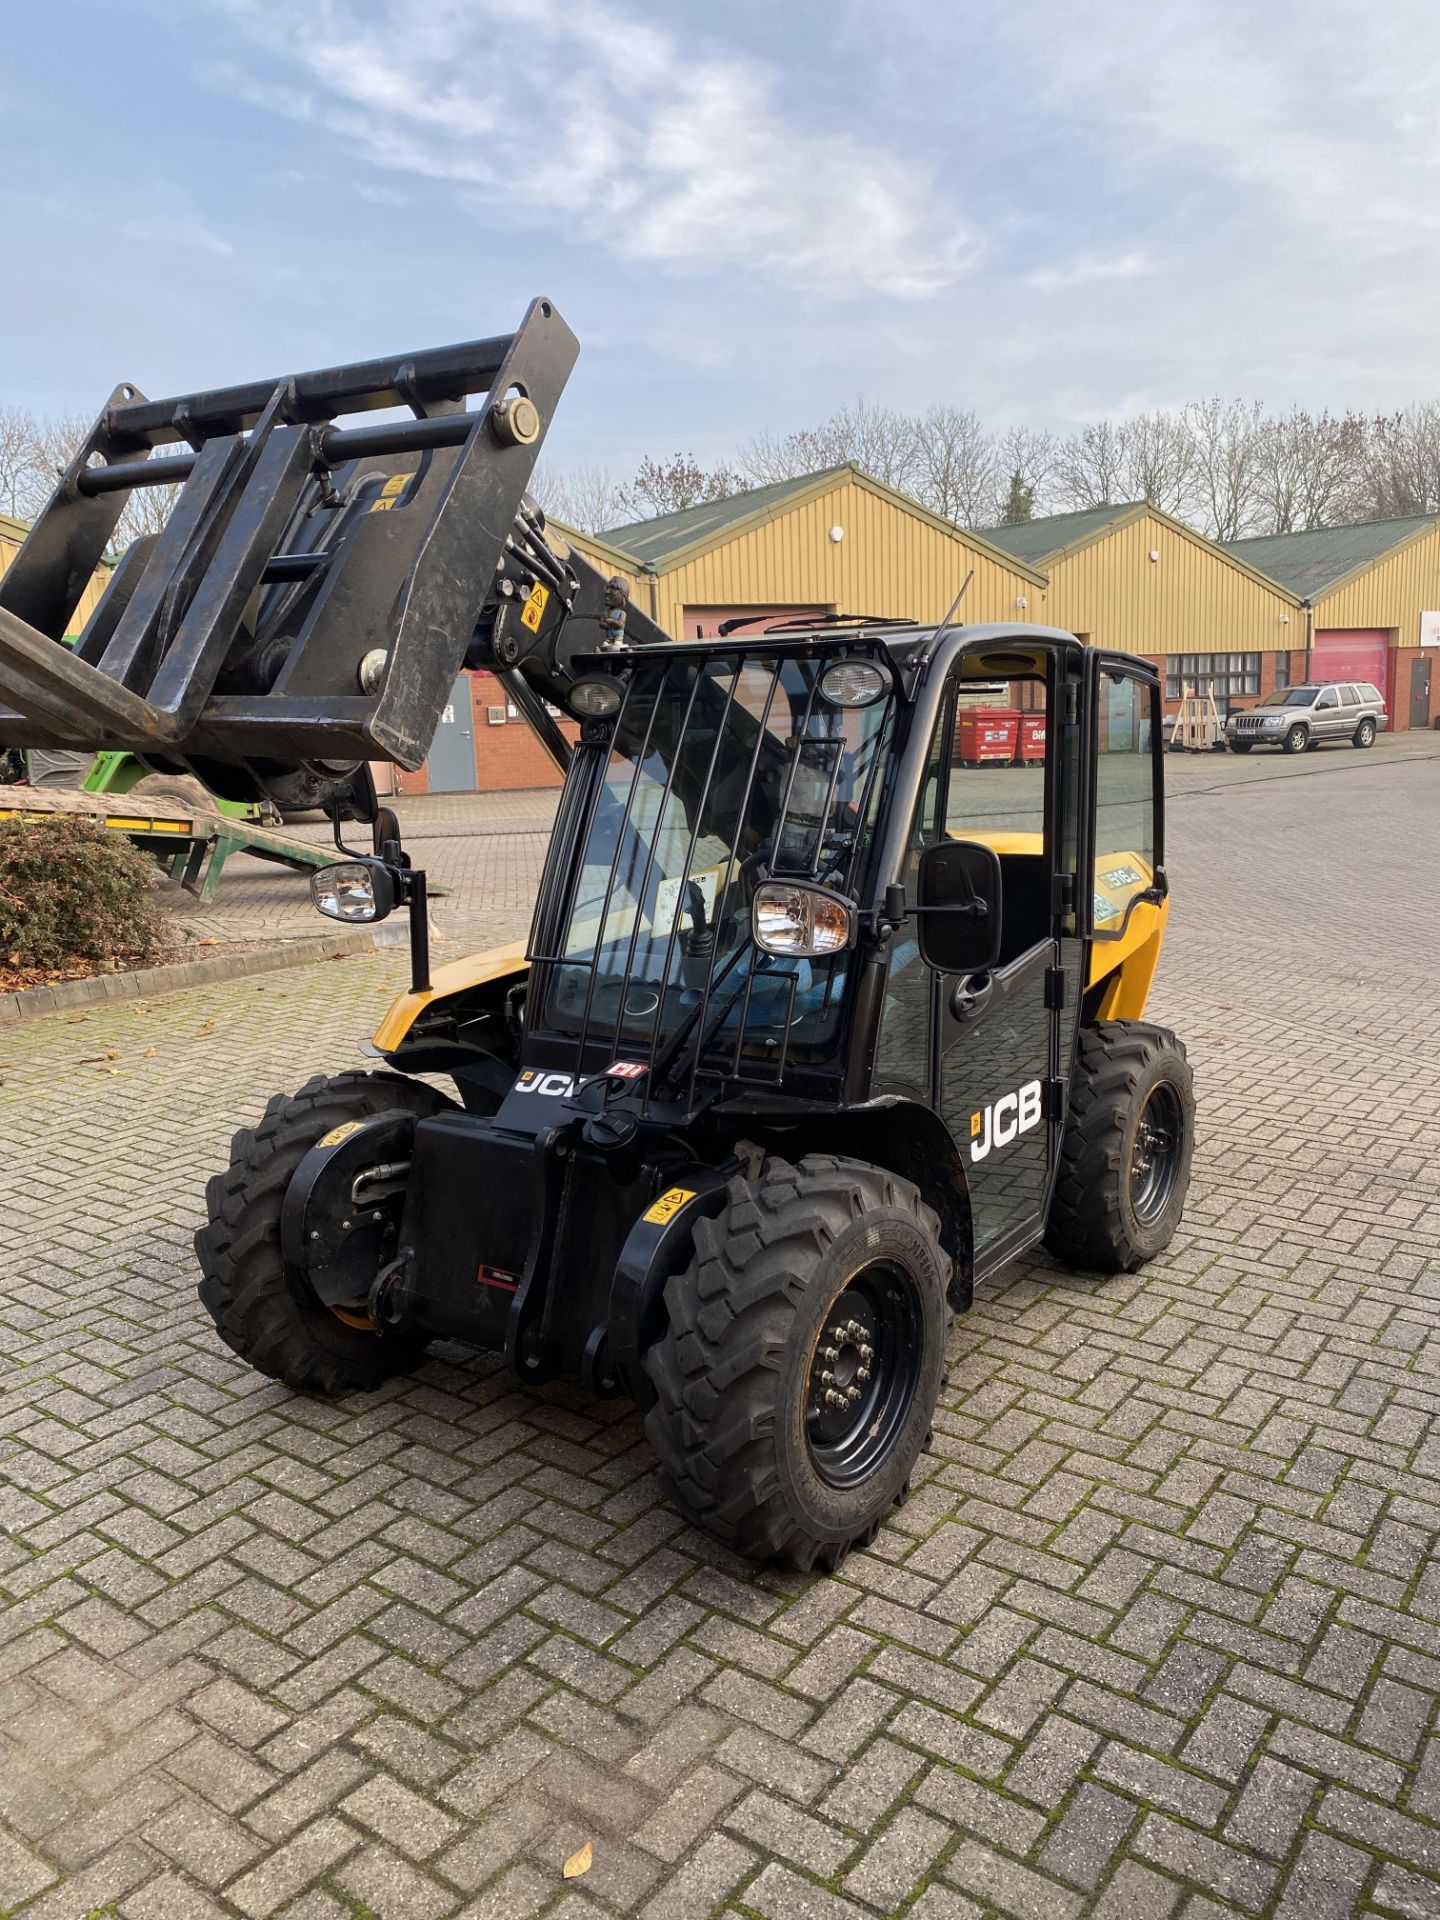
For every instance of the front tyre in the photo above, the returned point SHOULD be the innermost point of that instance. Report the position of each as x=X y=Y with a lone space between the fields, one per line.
x=1125 y=1153
x=263 y=1310
x=1365 y=734
x=1297 y=739
x=797 y=1376
x=1241 y=746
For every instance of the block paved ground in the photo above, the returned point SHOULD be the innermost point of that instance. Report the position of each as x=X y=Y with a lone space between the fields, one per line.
x=1159 y=1634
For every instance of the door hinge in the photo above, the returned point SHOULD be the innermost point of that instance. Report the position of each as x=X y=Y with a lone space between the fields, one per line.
x=1070 y=704
x=1062 y=893
x=1052 y=1099
x=1054 y=987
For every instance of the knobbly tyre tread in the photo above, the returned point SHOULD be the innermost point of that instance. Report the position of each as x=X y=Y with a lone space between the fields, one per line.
x=1089 y=1227
x=729 y=1315
x=245 y=1288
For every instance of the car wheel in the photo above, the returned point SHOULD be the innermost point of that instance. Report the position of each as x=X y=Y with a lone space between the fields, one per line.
x=1241 y=746
x=1365 y=734
x=1297 y=739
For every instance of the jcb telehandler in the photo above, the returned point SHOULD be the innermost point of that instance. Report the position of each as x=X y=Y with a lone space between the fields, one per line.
x=817 y=1025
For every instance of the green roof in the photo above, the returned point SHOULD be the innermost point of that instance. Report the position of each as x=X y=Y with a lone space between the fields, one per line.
x=1310 y=563
x=656 y=541
x=1035 y=540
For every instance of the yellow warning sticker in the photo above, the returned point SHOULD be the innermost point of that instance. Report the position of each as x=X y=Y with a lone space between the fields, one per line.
x=391 y=492
x=974 y=1125
x=342 y=1132
x=534 y=607
x=668 y=1205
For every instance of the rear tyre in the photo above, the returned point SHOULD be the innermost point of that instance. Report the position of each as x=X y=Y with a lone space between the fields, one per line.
x=1297 y=740
x=1126 y=1150
x=181 y=789
x=1241 y=746
x=797 y=1377
x=263 y=1310
x=1364 y=735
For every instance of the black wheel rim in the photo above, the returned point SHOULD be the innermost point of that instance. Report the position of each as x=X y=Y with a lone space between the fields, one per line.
x=1155 y=1155
x=863 y=1373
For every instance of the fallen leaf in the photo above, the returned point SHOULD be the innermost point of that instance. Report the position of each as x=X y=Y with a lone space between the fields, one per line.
x=91 y=1059
x=209 y=1027
x=149 y=1054
x=112 y=1053
x=579 y=1862
x=212 y=942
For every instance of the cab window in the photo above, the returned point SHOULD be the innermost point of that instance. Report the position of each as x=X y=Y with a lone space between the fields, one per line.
x=1126 y=855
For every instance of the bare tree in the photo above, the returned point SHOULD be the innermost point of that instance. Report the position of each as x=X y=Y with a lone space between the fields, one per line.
x=1157 y=457
x=1400 y=473
x=19 y=450
x=1032 y=455
x=1090 y=467
x=586 y=498
x=957 y=471
x=1226 y=438
x=669 y=486
x=1310 y=470
x=883 y=442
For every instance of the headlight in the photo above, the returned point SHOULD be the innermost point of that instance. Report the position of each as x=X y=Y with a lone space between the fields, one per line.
x=595 y=699
x=853 y=683
x=800 y=920
x=353 y=890
x=1274 y=720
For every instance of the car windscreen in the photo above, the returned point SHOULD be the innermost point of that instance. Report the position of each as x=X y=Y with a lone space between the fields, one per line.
x=1291 y=697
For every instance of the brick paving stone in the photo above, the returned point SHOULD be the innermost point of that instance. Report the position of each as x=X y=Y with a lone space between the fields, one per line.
x=1157 y=1637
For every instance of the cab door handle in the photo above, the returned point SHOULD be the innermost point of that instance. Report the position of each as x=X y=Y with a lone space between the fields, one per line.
x=971 y=994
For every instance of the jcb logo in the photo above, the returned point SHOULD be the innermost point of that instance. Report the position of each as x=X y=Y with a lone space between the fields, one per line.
x=1012 y=1114
x=550 y=1083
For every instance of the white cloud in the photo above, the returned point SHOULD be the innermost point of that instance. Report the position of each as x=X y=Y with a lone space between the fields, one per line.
x=1086 y=267
x=571 y=116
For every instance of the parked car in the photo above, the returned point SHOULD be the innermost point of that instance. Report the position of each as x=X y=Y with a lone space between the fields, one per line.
x=1294 y=718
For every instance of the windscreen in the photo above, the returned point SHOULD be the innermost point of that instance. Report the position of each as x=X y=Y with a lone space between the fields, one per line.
x=721 y=773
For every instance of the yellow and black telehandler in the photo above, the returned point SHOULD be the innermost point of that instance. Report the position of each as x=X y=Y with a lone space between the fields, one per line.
x=821 y=1020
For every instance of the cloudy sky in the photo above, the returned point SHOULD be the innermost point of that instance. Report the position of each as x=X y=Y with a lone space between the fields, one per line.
x=1047 y=210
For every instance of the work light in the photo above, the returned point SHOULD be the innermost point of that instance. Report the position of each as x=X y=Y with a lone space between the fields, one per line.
x=853 y=683
x=800 y=921
x=595 y=699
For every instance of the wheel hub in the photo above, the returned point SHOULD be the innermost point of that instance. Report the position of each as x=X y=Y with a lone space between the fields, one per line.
x=863 y=1372
x=1155 y=1154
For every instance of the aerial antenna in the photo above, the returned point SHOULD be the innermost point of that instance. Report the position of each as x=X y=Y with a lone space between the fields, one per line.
x=950 y=616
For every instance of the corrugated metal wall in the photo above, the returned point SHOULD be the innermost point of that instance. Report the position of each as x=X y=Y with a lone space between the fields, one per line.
x=1191 y=600
x=1393 y=594
x=889 y=562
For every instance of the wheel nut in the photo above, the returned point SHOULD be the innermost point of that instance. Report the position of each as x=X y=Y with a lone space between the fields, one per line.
x=827 y=1379
x=867 y=1354
x=852 y=1395
x=832 y=1354
x=833 y=1399
x=862 y=1374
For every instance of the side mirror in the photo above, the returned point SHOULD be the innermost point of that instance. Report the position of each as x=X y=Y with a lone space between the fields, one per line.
x=355 y=891
x=959 y=906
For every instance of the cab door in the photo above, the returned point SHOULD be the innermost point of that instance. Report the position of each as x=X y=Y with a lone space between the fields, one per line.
x=996 y=1031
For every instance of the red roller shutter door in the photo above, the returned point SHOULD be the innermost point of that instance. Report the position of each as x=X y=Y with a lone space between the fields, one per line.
x=1351 y=653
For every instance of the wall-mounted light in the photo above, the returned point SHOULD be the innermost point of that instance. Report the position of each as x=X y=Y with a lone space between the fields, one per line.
x=837 y=534
x=1154 y=553
x=1021 y=604
x=1284 y=619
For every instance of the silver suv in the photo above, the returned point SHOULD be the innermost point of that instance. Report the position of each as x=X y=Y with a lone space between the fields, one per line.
x=1299 y=717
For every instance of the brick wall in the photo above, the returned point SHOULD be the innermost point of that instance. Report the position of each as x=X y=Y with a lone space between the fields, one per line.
x=506 y=756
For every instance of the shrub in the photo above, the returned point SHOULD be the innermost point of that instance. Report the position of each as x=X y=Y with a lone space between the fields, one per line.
x=72 y=890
